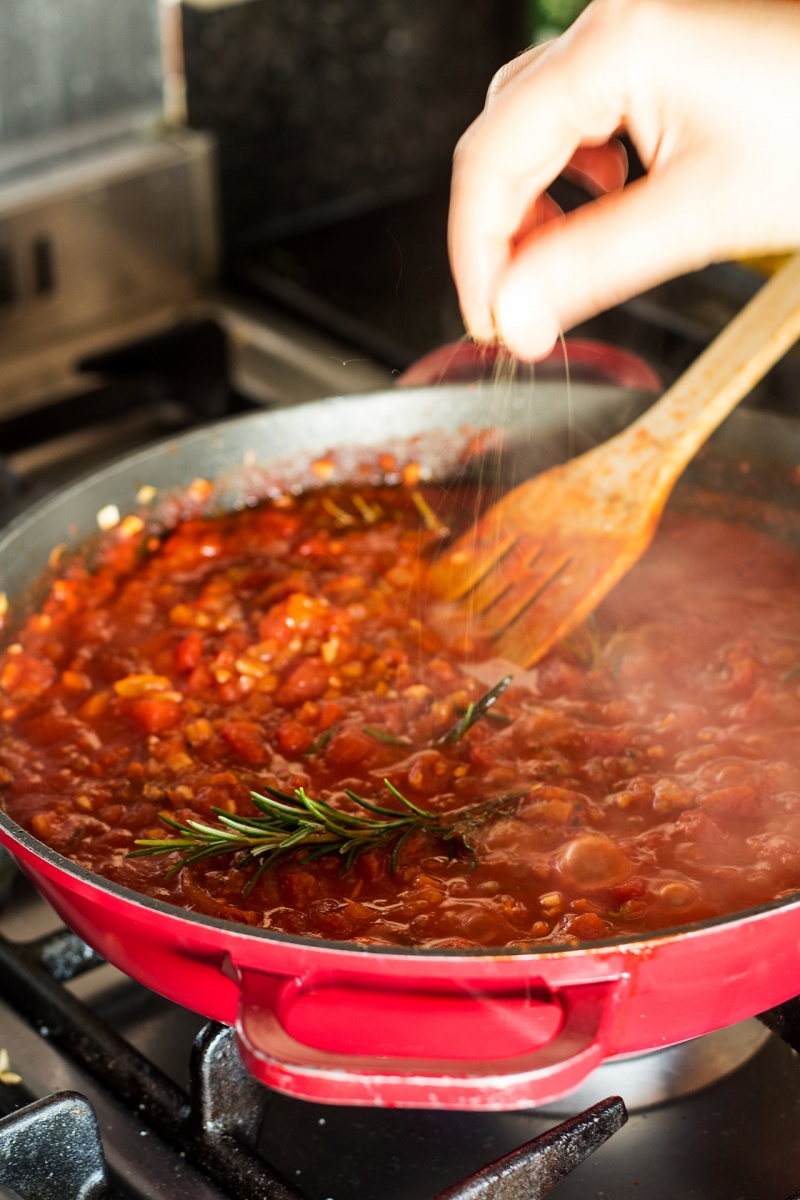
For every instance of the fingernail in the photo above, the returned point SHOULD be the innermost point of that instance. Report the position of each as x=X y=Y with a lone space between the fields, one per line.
x=482 y=331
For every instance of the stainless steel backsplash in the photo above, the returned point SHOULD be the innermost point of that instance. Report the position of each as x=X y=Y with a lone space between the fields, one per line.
x=74 y=73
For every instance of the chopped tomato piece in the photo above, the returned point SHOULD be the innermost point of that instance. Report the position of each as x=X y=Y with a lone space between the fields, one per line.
x=589 y=927
x=246 y=739
x=189 y=652
x=733 y=803
x=292 y=737
x=200 y=680
x=154 y=714
x=349 y=746
x=24 y=677
x=330 y=713
x=308 y=681
x=48 y=729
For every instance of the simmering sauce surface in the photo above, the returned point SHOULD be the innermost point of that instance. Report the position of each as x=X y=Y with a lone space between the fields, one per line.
x=653 y=761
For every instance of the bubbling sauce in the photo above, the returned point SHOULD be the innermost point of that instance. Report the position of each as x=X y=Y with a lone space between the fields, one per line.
x=653 y=760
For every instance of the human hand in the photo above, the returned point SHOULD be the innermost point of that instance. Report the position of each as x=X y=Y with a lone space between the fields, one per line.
x=709 y=93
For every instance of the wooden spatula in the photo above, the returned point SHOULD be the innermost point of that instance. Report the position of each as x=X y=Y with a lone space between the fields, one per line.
x=541 y=559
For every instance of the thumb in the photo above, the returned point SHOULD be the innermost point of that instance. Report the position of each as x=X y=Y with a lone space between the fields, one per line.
x=611 y=249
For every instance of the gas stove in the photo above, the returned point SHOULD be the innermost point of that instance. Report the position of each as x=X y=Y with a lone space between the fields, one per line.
x=106 y=1089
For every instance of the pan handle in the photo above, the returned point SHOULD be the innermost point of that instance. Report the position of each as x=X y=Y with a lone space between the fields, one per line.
x=335 y=1038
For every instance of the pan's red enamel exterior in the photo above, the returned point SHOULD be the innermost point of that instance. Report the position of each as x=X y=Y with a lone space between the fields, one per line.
x=350 y=1024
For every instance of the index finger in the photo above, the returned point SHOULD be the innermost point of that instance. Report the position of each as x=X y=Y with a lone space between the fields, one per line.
x=568 y=94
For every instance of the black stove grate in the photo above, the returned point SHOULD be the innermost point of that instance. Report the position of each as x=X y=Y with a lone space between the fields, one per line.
x=216 y=1127
x=535 y=1169
x=52 y=1150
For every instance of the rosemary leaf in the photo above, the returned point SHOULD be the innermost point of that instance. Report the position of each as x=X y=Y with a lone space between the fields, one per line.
x=474 y=713
x=321 y=742
x=398 y=846
x=337 y=512
x=370 y=805
x=429 y=517
x=391 y=739
x=370 y=512
x=496 y=717
x=408 y=804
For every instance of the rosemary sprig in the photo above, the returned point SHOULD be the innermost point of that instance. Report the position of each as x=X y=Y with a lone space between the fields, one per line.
x=479 y=708
x=290 y=822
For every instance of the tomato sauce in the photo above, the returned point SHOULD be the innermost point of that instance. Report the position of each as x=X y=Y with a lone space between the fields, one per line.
x=652 y=761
